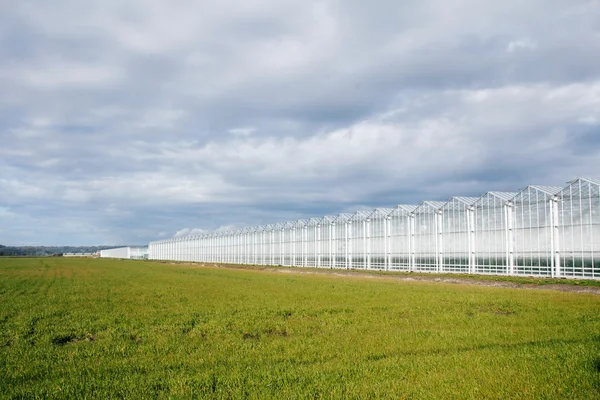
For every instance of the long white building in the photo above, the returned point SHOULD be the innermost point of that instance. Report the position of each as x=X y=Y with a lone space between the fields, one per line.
x=135 y=253
x=537 y=231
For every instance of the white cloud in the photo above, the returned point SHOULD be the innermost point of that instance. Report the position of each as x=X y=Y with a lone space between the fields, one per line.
x=521 y=44
x=133 y=117
x=245 y=131
x=52 y=74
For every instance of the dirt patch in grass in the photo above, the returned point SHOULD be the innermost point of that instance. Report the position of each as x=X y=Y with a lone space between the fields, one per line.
x=560 y=285
x=62 y=340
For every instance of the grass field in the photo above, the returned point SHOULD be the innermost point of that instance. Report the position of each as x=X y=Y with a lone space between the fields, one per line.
x=84 y=328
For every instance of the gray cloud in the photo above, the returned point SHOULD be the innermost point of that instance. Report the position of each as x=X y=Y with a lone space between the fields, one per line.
x=128 y=122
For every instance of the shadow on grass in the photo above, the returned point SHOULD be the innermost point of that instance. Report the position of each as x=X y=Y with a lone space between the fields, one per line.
x=63 y=339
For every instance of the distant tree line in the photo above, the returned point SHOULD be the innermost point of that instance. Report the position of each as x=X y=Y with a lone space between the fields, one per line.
x=41 y=251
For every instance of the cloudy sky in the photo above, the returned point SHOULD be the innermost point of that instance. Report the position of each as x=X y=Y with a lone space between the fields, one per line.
x=123 y=122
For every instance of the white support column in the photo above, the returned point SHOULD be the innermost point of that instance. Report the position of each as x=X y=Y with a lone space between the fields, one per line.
x=509 y=238
x=263 y=247
x=471 y=238
x=387 y=228
x=305 y=246
x=367 y=227
x=254 y=253
x=555 y=237
x=219 y=248
x=234 y=247
x=294 y=246
x=215 y=249
x=248 y=248
x=346 y=244
x=440 y=241
x=319 y=245
x=349 y=247
x=259 y=246
x=411 y=244
x=266 y=248
x=282 y=247
x=272 y=246
x=227 y=248
x=332 y=256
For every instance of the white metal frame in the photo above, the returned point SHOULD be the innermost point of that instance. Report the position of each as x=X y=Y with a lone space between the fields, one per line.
x=538 y=231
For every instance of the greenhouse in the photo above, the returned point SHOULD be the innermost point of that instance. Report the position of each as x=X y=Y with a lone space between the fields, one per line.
x=134 y=253
x=541 y=231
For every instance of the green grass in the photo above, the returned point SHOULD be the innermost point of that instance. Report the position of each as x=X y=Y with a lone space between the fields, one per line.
x=84 y=328
x=523 y=280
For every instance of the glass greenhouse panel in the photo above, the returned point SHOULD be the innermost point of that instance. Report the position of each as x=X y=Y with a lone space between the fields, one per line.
x=300 y=243
x=457 y=233
x=287 y=232
x=401 y=228
x=492 y=220
x=427 y=228
x=358 y=239
x=342 y=241
x=327 y=238
x=277 y=234
x=533 y=237
x=538 y=231
x=378 y=239
x=579 y=229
